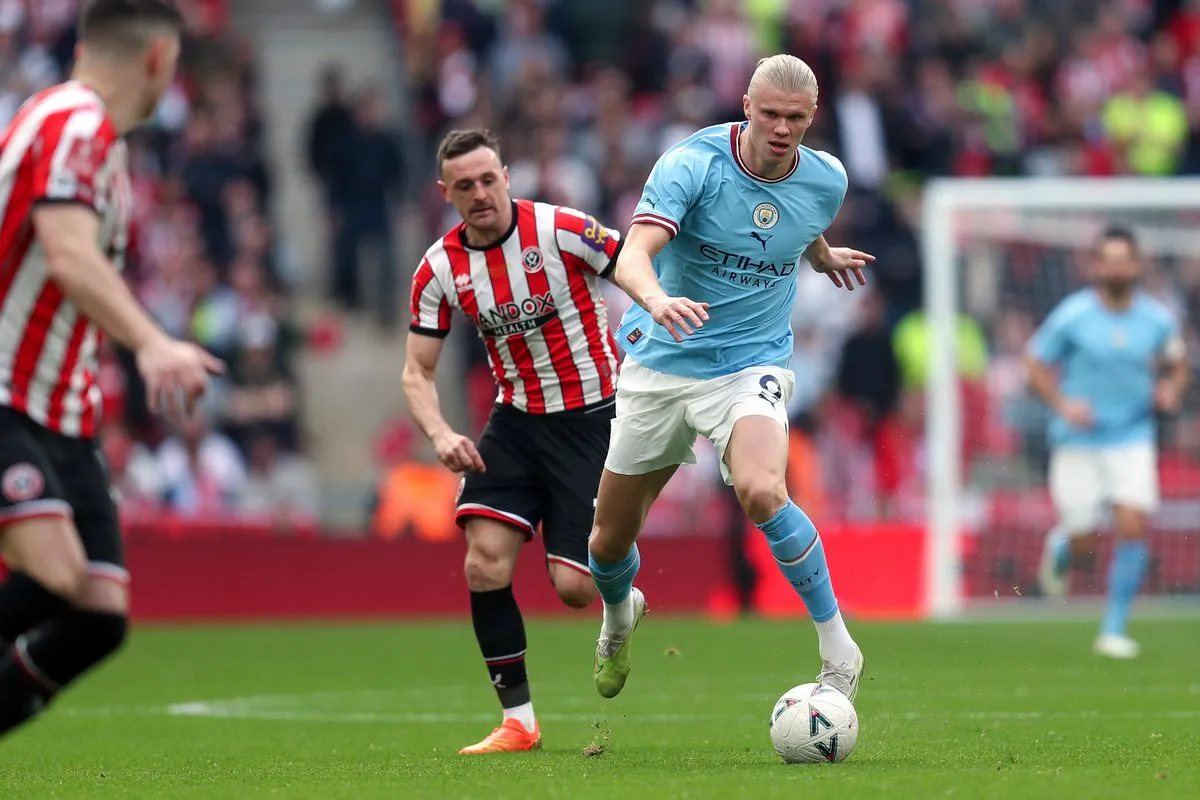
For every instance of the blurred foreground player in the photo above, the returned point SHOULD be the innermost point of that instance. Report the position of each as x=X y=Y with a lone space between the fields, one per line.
x=1097 y=361
x=727 y=217
x=64 y=210
x=528 y=276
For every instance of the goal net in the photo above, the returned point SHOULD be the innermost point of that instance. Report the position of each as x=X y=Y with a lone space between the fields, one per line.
x=998 y=255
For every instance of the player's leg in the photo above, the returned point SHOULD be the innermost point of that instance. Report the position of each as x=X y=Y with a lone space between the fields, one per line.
x=1076 y=491
x=622 y=503
x=651 y=437
x=45 y=660
x=757 y=461
x=571 y=450
x=37 y=540
x=492 y=550
x=500 y=510
x=1131 y=479
x=745 y=416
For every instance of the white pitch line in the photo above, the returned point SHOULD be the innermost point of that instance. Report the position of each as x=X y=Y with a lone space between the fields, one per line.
x=231 y=711
x=248 y=708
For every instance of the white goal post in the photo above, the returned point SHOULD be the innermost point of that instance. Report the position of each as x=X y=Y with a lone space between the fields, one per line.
x=1060 y=214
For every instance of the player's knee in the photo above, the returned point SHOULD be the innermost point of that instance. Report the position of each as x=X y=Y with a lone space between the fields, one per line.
x=605 y=547
x=83 y=639
x=487 y=570
x=104 y=633
x=575 y=589
x=1129 y=523
x=761 y=495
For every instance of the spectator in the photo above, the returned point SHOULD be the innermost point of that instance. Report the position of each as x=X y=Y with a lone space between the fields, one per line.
x=202 y=472
x=260 y=398
x=134 y=470
x=868 y=375
x=365 y=194
x=280 y=487
x=1148 y=125
x=330 y=129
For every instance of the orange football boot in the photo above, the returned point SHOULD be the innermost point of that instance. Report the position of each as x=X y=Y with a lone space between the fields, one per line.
x=510 y=737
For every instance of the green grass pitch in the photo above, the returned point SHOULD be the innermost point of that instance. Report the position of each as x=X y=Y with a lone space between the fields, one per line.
x=967 y=710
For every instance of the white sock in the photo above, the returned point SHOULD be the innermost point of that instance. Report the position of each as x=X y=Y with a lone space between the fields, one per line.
x=522 y=714
x=618 y=618
x=835 y=643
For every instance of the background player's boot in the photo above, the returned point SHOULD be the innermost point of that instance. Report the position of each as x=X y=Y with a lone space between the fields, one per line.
x=845 y=677
x=612 y=654
x=1056 y=558
x=1114 y=645
x=510 y=737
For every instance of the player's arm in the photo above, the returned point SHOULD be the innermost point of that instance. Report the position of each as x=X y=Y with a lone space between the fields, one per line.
x=839 y=263
x=634 y=274
x=456 y=451
x=1046 y=350
x=1168 y=394
x=67 y=233
x=430 y=325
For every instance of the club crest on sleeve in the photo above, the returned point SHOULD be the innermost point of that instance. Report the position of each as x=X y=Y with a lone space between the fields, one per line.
x=22 y=483
x=765 y=216
x=531 y=259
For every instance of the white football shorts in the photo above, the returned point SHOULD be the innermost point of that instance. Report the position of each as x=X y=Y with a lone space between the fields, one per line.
x=659 y=416
x=1085 y=481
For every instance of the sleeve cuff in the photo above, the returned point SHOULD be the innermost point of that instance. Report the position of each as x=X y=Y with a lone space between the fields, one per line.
x=670 y=225
x=435 y=333
x=611 y=267
x=64 y=201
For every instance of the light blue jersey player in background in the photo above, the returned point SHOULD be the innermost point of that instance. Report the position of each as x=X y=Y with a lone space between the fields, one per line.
x=727 y=218
x=1119 y=357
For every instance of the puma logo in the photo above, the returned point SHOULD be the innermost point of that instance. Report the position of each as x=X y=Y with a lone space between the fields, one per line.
x=761 y=239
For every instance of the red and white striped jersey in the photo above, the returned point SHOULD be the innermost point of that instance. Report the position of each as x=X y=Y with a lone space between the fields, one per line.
x=536 y=299
x=60 y=147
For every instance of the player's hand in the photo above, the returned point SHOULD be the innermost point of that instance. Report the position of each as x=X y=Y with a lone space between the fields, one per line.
x=458 y=453
x=1168 y=397
x=176 y=374
x=843 y=263
x=1077 y=413
x=679 y=315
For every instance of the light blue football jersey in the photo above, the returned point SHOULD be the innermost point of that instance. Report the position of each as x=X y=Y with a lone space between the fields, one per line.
x=737 y=243
x=1110 y=360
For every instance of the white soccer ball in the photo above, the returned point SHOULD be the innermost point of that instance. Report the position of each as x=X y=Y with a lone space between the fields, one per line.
x=813 y=723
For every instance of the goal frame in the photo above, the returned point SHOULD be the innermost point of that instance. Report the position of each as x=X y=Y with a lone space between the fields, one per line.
x=943 y=198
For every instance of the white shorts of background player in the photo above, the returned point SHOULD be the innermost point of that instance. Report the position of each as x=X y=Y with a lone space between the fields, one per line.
x=659 y=416
x=1086 y=481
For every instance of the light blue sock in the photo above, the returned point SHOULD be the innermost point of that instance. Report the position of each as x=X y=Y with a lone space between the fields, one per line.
x=613 y=581
x=801 y=558
x=1061 y=548
x=1124 y=580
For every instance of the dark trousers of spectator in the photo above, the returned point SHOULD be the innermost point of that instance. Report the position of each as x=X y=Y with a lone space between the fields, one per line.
x=357 y=232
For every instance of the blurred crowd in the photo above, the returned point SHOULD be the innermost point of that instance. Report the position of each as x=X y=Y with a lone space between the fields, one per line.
x=205 y=261
x=585 y=97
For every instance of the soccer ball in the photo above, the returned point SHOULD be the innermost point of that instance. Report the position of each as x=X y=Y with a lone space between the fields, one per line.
x=813 y=723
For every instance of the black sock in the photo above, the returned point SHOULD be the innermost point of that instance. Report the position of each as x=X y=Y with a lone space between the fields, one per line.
x=25 y=604
x=23 y=690
x=39 y=665
x=501 y=635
